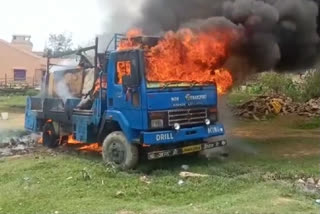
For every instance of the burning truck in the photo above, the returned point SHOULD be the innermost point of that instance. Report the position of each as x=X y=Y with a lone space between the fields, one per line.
x=145 y=96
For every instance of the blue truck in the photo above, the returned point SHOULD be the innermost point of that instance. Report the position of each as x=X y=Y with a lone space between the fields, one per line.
x=131 y=118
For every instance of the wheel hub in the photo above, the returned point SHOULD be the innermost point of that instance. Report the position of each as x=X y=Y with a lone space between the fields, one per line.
x=117 y=152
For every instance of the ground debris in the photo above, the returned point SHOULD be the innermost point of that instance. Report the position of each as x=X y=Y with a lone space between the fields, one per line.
x=145 y=179
x=185 y=167
x=263 y=106
x=86 y=175
x=120 y=194
x=190 y=174
x=17 y=145
x=309 y=185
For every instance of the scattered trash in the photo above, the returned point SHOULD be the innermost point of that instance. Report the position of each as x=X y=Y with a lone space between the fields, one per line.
x=318 y=201
x=310 y=181
x=185 y=167
x=85 y=174
x=17 y=145
x=119 y=194
x=190 y=174
x=180 y=182
x=300 y=181
x=145 y=179
x=69 y=178
x=308 y=185
x=4 y=115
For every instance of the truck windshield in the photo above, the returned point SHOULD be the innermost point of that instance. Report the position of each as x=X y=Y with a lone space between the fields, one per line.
x=159 y=81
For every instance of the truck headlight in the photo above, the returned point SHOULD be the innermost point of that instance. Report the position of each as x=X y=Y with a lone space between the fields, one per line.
x=207 y=122
x=157 y=123
x=158 y=120
x=213 y=115
x=177 y=126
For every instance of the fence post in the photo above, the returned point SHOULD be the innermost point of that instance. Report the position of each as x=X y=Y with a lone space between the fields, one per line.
x=5 y=80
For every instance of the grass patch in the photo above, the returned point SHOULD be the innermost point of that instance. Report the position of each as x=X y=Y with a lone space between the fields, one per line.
x=45 y=184
x=313 y=123
x=238 y=97
x=12 y=103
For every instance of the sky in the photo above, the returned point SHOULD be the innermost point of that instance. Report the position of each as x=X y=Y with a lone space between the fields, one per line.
x=39 y=18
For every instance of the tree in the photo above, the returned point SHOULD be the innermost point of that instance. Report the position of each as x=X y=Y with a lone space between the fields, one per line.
x=59 y=43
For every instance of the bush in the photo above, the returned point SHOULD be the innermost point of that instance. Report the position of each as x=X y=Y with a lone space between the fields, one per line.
x=311 y=85
x=31 y=92
x=276 y=83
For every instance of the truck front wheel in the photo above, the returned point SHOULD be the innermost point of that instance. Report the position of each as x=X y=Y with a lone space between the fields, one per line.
x=49 y=136
x=118 y=151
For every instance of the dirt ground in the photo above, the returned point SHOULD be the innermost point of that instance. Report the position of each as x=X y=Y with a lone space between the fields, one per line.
x=15 y=122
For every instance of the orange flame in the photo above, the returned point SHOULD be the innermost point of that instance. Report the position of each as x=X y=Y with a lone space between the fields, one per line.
x=94 y=147
x=97 y=85
x=129 y=43
x=187 y=57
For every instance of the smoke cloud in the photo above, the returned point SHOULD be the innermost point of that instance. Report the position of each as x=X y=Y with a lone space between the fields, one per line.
x=274 y=32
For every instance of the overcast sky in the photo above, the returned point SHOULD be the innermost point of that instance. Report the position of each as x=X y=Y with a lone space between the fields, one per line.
x=39 y=18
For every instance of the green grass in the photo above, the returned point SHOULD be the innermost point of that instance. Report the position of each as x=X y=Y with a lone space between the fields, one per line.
x=255 y=179
x=12 y=103
x=238 y=97
x=312 y=123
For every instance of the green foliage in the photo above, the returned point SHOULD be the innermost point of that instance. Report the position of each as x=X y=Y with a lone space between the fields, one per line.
x=313 y=123
x=12 y=103
x=31 y=92
x=59 y=43
x=311 y=86
x=237 y=97
x=277 y=83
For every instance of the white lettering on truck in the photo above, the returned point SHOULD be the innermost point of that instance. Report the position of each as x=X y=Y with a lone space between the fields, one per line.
x=175 y=99
x=163 y=137
x=212 y=130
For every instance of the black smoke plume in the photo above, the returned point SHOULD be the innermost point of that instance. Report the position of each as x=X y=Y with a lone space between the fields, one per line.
x=274 y=32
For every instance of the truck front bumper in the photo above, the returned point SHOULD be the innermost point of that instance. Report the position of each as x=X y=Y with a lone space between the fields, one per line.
x=185 y=150
x=185 y=134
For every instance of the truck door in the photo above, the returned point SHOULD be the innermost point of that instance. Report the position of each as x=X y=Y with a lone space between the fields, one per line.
x=125 y=94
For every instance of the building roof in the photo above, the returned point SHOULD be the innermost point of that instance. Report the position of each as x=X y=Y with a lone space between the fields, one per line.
x=20 y=50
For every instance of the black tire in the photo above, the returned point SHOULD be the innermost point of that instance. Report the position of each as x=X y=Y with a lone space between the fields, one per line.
x=49 y=136
x=119 y=152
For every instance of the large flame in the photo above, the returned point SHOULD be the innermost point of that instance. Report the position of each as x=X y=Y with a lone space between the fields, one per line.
x=187 y=57
x=94 y=147
x=129 y=43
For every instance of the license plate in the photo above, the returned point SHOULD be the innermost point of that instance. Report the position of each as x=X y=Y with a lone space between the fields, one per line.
x=185 y=150
x=190 y=149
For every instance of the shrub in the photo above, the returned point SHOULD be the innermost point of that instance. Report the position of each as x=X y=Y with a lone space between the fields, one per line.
x=276 y=83
x=311 y=85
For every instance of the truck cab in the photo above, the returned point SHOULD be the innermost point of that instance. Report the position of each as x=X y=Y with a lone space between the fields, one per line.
x=130 y=116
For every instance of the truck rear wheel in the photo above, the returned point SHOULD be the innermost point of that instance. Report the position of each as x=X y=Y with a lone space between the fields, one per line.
x=119 y=152
x=49 y=136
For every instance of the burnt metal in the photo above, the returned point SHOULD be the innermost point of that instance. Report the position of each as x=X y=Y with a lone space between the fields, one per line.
x=149 y=41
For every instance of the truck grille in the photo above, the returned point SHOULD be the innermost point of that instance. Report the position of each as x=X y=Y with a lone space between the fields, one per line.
x=187 y=116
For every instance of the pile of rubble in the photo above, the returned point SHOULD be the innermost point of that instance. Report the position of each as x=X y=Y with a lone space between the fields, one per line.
x=309 y=185
x=17 y=145
x=264 y=106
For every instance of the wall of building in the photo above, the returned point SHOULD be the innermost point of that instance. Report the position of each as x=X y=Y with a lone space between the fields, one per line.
x=13 y=58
